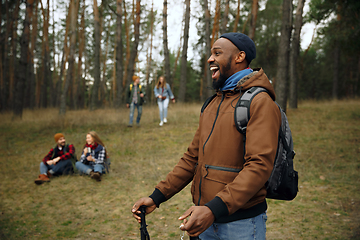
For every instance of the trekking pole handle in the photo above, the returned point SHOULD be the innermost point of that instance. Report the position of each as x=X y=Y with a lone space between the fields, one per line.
x=143 y=231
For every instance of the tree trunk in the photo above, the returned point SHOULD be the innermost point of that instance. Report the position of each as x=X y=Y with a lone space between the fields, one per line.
x=95 y=88
x=254 y=12
x=12 y=64
x=225 y=18
x=119 y=54
x=295 y=54
x=71 y=61
x=46 y=57
x=283 y=55
x=31 y=84
x=215 y=29
x=183 y=71
x=80 y=89
x=5 y=62
x=165 y=43
x=127 y=34
x=207 y=92
x=336 y=57
x=24 y=46
x=133 y=53
x=58 y=92
x=149 y=52
x=237 y=17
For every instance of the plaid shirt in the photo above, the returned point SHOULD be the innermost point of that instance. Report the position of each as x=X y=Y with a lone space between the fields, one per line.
x=98 y=154
x=60 y=153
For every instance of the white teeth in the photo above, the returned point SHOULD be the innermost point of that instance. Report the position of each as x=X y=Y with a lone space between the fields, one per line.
x=213 y=68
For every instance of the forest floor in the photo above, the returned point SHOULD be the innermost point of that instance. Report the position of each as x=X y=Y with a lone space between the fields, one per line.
x=327 y=143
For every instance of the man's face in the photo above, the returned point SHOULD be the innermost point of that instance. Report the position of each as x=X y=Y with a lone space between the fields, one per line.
x=221 y=61
x=61 y=142
x=137 y=81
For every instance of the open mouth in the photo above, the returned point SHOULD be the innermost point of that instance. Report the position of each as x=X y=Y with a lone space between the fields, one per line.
x=215 y=71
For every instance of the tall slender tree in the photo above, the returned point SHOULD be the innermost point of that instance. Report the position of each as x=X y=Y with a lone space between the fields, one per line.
x=71 y=62
x=165 y=44
x=24 y=46
x=46 y=77
x=97 y=49
x=225 y=17
x=133 y=53
x=237 y=17
x=12 y=62
x=295 y=54
x=149 y=52
x=281 y=81
x=254 y=13
x=207 y=73
x=183 y=71
x=119 y=54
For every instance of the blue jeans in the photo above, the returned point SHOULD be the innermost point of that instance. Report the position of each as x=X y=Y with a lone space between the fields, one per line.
x=61 y=167
x=86 y=169
x=245 y=229
x=132 y=110
x=163 y=106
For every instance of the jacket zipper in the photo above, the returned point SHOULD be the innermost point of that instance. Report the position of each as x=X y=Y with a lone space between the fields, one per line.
x=212 y=129
x=227 y=169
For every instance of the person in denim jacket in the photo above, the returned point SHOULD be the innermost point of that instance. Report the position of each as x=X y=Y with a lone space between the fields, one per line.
x=163 y=93
x=93 y=157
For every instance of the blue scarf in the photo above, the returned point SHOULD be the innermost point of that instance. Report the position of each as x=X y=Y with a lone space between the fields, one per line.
x=232 y=81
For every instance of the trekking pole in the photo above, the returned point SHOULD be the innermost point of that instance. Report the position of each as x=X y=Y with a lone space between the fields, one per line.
x=143 y=231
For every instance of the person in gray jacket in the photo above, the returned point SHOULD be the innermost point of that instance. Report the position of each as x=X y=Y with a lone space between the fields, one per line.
x=163 y=92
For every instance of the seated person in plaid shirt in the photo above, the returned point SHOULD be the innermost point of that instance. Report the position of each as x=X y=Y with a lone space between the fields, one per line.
x=57 y=161
x=93 y=157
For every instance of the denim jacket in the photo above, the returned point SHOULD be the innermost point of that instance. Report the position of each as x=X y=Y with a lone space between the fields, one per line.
x=165 y=92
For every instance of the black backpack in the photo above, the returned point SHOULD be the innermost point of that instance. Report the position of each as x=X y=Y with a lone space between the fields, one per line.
x=283 y=181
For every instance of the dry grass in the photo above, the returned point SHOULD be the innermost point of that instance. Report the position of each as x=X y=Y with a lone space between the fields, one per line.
x=326 y=136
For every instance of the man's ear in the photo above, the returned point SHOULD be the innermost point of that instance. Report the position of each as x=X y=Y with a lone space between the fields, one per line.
x=240 y=57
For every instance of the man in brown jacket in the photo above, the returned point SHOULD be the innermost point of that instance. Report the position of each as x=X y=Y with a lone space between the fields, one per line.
x=228 y=186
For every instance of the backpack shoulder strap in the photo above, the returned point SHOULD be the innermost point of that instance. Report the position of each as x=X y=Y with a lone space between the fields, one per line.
x=207 y=101
x=242 y=108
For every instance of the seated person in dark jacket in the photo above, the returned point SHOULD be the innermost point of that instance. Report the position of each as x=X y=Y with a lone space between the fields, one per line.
x=57 y=161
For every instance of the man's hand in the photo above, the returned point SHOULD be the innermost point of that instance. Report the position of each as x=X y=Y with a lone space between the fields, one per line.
x=148 y=202
x=55 y=160
x=201 y=217
x=141 y=95
x=50 y=162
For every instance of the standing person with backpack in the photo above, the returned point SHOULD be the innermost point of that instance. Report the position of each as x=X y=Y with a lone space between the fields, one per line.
x=135 y=98
x=162 y=92
x=228 y=176
x=93 y=157
x=58 y=161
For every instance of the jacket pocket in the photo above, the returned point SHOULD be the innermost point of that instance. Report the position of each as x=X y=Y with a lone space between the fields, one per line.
x=219 y=174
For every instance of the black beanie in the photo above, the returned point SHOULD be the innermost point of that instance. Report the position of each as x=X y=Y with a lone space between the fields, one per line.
x=243 y=43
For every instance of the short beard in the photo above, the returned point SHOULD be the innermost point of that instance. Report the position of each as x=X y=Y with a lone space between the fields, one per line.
x=220 y=82
x=222 y=78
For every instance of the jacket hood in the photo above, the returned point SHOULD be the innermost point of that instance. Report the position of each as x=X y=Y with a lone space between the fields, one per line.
x=256 y=79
